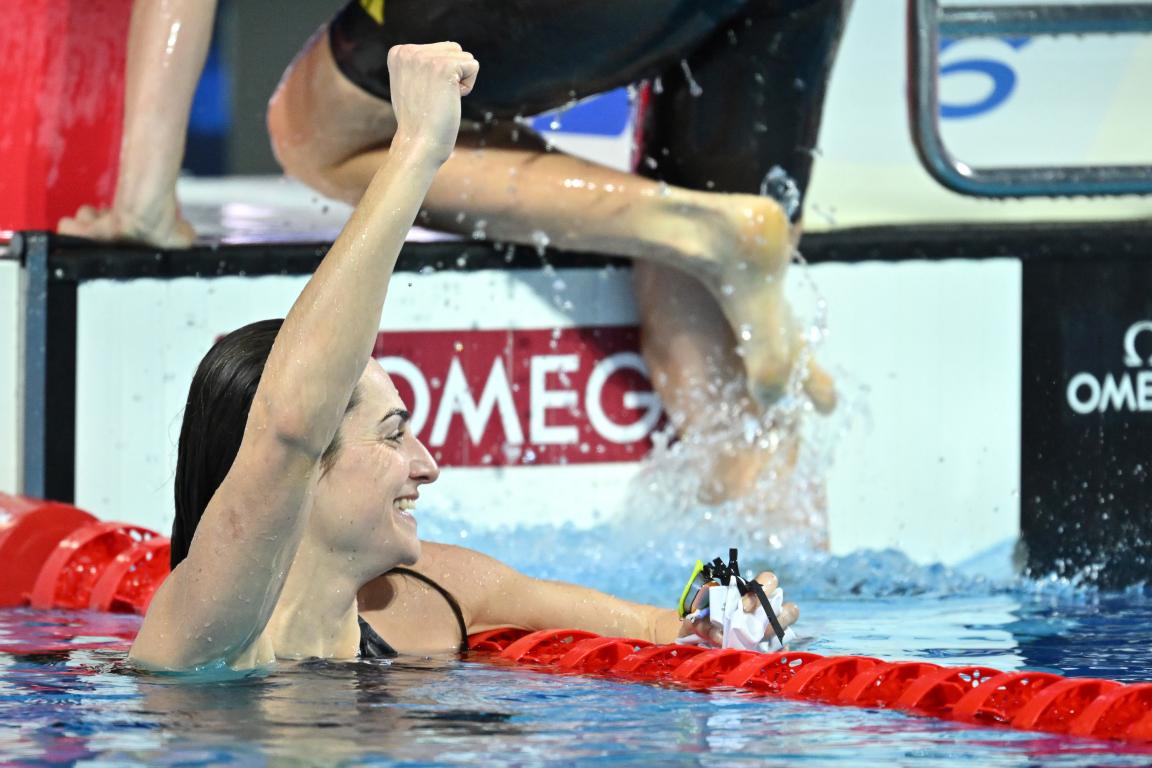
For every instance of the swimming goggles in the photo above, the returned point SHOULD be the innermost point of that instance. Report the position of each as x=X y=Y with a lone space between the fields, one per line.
x=694 y=597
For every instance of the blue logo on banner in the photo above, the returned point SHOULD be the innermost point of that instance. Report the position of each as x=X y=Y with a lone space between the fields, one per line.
x=1001 y=77
x=603 y=115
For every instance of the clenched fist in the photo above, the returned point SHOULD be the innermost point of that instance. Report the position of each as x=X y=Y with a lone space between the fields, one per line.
x=427 y=82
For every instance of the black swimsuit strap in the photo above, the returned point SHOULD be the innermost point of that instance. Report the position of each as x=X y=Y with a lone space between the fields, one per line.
x=372 y=646
x=455 y=606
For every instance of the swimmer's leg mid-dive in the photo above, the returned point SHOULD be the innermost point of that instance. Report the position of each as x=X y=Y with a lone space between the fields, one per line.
x=779 y=58
x=330 y=133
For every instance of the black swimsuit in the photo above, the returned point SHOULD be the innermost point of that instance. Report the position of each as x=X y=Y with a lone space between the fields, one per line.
x=741 y=82
x=372 y=646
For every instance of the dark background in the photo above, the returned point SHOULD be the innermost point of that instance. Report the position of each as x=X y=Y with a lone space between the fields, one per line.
x=253 y=44
x=1086 y=480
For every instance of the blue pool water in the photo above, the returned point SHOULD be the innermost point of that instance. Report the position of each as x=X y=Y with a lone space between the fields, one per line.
x=84 y=705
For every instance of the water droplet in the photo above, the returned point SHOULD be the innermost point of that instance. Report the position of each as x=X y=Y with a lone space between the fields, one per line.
x=693 y=87
x=541 y=240
x=782 y=188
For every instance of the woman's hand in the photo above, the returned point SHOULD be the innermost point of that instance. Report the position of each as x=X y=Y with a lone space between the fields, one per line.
x=427 y=82
x=703 y=628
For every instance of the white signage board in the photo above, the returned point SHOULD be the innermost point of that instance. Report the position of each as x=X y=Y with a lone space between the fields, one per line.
x=9 y=375
x=929 y=354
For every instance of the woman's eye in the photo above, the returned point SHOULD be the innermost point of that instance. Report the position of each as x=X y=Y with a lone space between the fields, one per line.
x=397 y=436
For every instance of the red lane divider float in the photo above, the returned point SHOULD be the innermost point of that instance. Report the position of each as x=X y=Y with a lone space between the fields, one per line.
x=597 y=654
x=880 y=686
x=769 y=672
x=998 y=699
x=710 y=669
x=974 y=694
x=934 y=694
x=825 y=678
x=29 y=531
x=1056 y=707
x=130 y=580
x=58 y=556
x=1113 y=715
x=79 y=560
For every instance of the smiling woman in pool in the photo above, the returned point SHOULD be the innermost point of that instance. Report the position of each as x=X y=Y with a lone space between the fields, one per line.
x=297 y=477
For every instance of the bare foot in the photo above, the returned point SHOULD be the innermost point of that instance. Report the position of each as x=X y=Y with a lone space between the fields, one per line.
x=751 y=260
x=168 y=229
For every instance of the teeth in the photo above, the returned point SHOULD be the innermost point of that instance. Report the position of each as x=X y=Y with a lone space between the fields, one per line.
x=405 y=505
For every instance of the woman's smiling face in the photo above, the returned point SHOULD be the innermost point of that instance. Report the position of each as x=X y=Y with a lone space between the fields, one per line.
x=364 y=499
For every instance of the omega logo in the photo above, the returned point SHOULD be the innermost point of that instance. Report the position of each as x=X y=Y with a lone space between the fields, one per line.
x=1129 y=391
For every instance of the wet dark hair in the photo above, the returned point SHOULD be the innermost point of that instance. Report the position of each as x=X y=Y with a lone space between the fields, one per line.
x=215 y=415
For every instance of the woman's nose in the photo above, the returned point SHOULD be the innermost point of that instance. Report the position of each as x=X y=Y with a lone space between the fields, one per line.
x=423 y=468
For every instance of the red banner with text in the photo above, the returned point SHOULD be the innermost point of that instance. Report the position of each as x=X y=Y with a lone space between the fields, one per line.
x=521 y=397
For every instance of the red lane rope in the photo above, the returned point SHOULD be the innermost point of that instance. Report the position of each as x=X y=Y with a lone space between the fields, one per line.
x=62 y=557
x=1039 y=701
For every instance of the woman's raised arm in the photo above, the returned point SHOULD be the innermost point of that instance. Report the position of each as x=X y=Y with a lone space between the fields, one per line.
x=218 y=601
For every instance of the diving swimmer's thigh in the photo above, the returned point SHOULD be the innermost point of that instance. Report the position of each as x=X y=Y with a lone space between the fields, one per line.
x=535 y=55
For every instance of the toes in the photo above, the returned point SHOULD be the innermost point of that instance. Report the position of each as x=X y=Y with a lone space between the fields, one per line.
x=820 y=388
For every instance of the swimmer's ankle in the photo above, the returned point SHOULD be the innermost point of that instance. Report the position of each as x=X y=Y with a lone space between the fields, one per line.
x=690 y=227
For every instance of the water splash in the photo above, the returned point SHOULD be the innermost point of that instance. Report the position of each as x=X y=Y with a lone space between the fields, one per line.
x=782 y=188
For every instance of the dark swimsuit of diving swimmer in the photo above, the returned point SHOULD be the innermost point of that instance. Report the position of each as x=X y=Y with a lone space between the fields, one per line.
x=741 y=82
x=372 y=646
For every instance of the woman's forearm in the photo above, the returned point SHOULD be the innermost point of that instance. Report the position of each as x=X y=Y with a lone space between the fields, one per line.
x=328 y=335
x=665 y=624
x=327 y=338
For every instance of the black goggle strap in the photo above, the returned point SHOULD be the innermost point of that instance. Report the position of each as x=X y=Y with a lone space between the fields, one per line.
x=733 y=566
x=757 y=589
x=745 y=586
